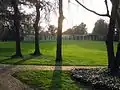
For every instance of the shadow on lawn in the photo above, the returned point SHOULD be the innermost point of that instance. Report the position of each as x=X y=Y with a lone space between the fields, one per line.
x=2 y=61
x=28 y=57
x=25 y=58
x=17 y=61
x=56 y=83
x=5 y=52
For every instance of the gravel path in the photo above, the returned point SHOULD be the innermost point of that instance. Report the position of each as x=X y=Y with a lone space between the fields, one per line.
x=8 y=82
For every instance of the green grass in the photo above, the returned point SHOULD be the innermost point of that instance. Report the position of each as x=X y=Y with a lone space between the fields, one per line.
x=74 y=53
x=49 y=80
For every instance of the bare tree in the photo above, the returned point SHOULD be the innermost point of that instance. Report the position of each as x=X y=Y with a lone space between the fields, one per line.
x=37 y=6
x=113 y=61
x=109 y=41
x=40 y=6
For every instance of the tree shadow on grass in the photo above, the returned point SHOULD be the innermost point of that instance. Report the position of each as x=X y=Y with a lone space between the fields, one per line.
x=56 y=83
x=20 y=61
x=83 y=86
x=6 y=52
x=45 y=58
x=4 y=60
x=27 y=57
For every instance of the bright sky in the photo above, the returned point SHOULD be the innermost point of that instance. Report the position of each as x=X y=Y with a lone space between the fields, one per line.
x=75 y=14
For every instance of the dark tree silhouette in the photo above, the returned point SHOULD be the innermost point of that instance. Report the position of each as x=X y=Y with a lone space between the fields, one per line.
x=113 y=61
x=59 y=32
x=101 y=28
x=52 y=30
x=37 y=50
x=109 y=41
x=40 y=6
x=16 y=19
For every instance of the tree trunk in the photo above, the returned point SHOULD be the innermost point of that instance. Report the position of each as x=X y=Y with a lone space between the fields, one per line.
x=37 y=50
x=117 y=59
x=17 y=28
x=117 y=62
x=59 y=33
x=109 y=41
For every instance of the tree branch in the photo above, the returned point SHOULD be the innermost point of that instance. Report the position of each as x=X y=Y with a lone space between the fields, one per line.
x=106 y=3
x=94 y=11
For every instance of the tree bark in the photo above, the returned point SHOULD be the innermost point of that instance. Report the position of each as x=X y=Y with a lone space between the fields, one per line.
x=59 y=33
x=17 y=28
x=117 y=58
x=37 y=50
x=117 y=62
x=109 y=41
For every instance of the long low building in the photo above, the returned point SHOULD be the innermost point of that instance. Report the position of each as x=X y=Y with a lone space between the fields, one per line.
x=82 y=37
x=65 y=37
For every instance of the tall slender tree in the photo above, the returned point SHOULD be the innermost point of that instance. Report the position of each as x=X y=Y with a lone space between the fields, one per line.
x=109 y=41
x=59 y=32
x=40 y=6
x=37 y=50
x=16 y=19
x=116 y=16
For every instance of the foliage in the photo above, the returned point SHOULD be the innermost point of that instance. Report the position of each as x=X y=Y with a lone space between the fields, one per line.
x=52 y=30
x=100 y=78
x=7 y=29
x=46 y=7
x=77 y=30
x=68 y=31
x=5 y=19
x=101 y=28
x=80 y=29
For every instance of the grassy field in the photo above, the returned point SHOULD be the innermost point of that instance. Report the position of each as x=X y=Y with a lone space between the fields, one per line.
x=74 y=53
x=49 y=80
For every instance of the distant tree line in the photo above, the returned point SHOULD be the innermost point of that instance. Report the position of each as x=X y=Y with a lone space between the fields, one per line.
x=80 y=29
x=101 y=29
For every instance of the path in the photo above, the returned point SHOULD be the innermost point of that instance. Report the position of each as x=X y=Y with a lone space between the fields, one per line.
x=8 y=82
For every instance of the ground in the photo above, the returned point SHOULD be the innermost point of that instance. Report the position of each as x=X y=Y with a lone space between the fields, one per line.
x=74 y=53
x=48 y=80
x=34 y=77
x=99 y=78
x=84 y=54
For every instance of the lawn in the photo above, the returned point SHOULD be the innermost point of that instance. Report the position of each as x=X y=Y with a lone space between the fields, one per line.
x=74 y=53
x=49 y=80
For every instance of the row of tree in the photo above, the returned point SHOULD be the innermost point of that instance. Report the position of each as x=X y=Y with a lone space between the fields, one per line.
x=13 y=21
x=77 y=30
x=11 y=15
x=8 y=33
x=100 y=29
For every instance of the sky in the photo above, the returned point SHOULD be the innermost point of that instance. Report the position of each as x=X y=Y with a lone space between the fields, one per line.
x=75 y=14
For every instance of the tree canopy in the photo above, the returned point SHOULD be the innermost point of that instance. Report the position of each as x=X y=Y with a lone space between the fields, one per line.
x=101 y=28
x=77 y=30
x=52 y=30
